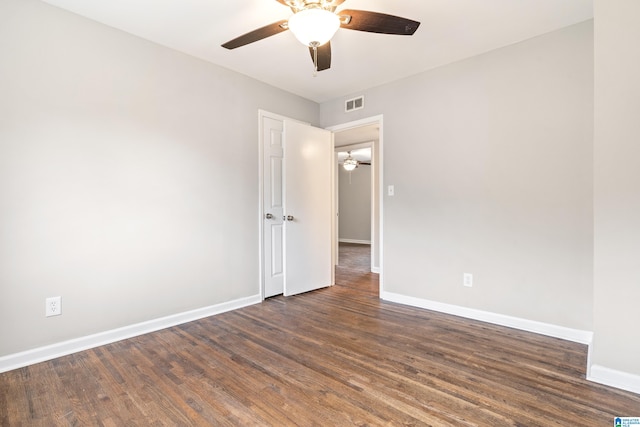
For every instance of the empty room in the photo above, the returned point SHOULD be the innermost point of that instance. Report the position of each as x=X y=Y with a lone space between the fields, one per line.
x=172 y=179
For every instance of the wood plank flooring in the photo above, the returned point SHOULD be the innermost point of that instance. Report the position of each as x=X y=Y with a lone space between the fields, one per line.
x=333 y=357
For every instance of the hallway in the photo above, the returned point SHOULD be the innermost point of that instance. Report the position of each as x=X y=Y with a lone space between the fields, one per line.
x=354 y=269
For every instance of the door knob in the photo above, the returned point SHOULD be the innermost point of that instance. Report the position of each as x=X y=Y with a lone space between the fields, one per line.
x=289 y=217
x=268 y=216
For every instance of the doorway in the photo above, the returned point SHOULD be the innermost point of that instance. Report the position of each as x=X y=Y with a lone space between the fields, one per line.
x=355 y=135
x=354 y=194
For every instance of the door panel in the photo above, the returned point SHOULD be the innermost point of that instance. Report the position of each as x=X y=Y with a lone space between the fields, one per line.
x=276 y=179
x=273 y=198
x=308 y=199
x=277 y=250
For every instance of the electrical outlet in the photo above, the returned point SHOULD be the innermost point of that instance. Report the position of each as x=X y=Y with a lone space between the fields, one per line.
x=53 y=307
x=391 y=190
x=467 y=280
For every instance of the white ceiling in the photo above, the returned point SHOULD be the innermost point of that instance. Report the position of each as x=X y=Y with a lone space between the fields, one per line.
x=368 y=133
x=451 y=30
x=360 y=154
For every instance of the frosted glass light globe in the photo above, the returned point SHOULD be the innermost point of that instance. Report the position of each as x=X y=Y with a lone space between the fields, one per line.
x=314 y=27
x=350 y=164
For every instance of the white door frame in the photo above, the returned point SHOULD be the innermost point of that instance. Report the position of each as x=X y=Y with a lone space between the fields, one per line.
x=377 y=153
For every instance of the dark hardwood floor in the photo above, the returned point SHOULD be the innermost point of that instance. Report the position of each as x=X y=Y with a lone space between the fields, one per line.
x=333 y=357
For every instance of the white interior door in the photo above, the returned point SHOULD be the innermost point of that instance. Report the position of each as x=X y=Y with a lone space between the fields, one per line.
x=308 y=159
x=273 y=206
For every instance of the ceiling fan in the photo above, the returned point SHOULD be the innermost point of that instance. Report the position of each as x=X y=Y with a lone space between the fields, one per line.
x=314 y=23
x=350 y=163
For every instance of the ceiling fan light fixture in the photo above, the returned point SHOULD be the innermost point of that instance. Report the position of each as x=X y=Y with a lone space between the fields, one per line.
x=314 y=26
x=350 y=163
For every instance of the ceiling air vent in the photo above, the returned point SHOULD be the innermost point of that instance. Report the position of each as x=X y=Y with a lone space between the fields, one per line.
x=354 y=104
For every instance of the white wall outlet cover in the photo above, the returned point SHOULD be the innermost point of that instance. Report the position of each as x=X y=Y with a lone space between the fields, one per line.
x=53 y=306
x=391 y=190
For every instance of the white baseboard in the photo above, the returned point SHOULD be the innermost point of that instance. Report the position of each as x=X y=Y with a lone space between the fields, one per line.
x=375 y=270
x=360 y=242
x=611 y=377
x=41 y=354
x=575 y=335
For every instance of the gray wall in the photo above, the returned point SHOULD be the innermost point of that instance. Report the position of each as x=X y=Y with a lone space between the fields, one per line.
x=491 y=159
x=354 y=203
x=128 y=177
x=617 y=186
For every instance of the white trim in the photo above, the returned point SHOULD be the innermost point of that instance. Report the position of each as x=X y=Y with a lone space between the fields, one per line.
x=335 y=239
x=589 y=352
x=378 y=155
x=359 y=242
x=261 y=114
x=611 y=377
x=41 y=354
x=375 y=270
x=334 y=209
x=347 y=147
x=576 y=335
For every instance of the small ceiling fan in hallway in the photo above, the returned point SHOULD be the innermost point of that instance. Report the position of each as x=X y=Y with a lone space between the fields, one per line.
x=349 y=163
x=314 y=23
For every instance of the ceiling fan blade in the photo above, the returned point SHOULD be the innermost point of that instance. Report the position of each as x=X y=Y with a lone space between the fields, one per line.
x=255 y=35
x=324 y=56
x=375 y=22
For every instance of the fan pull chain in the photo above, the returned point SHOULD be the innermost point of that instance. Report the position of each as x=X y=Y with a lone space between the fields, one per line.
x=315 y=60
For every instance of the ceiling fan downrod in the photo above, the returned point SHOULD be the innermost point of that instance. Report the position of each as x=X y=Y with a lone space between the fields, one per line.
x=314 y=46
